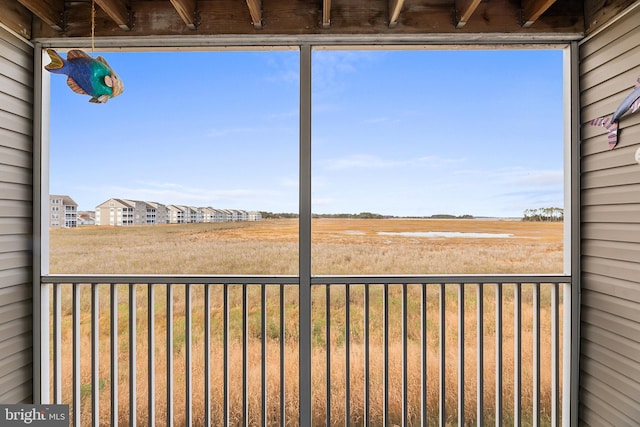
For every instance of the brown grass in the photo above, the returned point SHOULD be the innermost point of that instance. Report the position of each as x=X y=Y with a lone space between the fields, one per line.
x=340 y=247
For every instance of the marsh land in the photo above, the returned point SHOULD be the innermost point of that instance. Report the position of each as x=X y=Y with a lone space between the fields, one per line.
x=339 y=247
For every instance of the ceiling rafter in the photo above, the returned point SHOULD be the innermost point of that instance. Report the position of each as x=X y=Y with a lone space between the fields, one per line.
x=394 y=11
x=188 y=11
x=464 y=10
x=326 y=13
x=52 y=12
x=118 y=11
x=255 y=8
x=533 y=9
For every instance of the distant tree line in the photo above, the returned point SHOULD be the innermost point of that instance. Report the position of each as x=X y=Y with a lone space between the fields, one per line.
x=271 y=215
x=361 y=215
x=551 y=214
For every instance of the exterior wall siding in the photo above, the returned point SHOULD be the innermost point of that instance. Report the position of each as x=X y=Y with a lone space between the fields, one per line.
x=16 y=219
x=610 y=199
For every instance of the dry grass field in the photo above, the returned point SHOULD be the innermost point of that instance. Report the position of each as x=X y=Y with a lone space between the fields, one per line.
x=339 y=247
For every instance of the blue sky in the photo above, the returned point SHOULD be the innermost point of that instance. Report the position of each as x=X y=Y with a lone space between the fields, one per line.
x=394 y=132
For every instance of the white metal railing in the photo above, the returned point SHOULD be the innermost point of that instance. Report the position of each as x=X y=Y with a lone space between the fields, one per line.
x=397 y=350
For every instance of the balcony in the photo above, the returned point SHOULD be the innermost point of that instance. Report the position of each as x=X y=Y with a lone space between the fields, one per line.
x=272 y=350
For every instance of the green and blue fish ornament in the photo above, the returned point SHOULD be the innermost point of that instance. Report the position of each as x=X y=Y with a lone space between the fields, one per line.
x=87 y=75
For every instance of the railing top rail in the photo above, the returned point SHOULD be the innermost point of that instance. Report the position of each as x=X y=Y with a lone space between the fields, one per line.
x=315 y=280
x=444 y=279
x=161 y=279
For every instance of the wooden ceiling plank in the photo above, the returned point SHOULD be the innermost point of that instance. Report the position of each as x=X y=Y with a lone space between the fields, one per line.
x=52 y=13
x=326 y=13
x=395 y=6
x=533 y=9
x=255 y=8
x=187 y=11
x=118 y=11
x=464 y=10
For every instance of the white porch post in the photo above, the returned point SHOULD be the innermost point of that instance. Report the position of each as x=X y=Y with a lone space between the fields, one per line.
x=40 y=229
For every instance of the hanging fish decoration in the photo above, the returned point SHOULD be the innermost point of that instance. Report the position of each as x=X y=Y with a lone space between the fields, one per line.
x=86 y=75
x=629 y=105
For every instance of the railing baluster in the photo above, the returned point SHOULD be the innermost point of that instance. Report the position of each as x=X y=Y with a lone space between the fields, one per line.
x=245 y=357
x=188 y=359
x=517 y=353
x=76 y=355
x=555 y=355
x=57 y=343
x=225 y=362
x=132 y=356
x=498 y=391
x=328 y=351
x=405 y=420
x=113 y=305
x=151 y=351
x=480 y=358
x=169 y=319
x=536 y=355
x=404 y=398
x=367 y=374
x=461 y=354
x=385 y=363
x=443 y=361
x=263 y=334
x=347 y=354
x=95 y=355
x=283 y=405
x=424 y=345
x=207 y=355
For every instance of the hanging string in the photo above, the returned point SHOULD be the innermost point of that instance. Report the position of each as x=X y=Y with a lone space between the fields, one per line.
x=93 y=25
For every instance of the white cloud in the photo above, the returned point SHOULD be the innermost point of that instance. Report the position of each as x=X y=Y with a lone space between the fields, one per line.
x=172 y=193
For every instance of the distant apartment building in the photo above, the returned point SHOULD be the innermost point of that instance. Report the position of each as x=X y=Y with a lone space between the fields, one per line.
x=86 y=218
x=121 y=212
x=63 y=212
x=157 y=213
x=254 y=216
x=178 y=214
x=124 y=212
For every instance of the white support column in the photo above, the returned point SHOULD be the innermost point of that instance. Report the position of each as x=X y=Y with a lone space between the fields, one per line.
x=40 y=229
x=571 y=293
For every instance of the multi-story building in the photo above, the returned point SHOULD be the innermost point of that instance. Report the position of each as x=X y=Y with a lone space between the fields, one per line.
x=86 y=218
x=63 y=212
x=177 y=214
x=157 y=213
x=121 y=212
x=254 y=216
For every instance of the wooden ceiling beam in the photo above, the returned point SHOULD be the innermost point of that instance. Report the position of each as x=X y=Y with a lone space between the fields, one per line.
x=326 y=13
x=464 y=10
x=533 y=9
x=230 y=18
x=188 y=12
x=51 y=12
x=255 y=8
x=394 y=11
x=118 y=11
